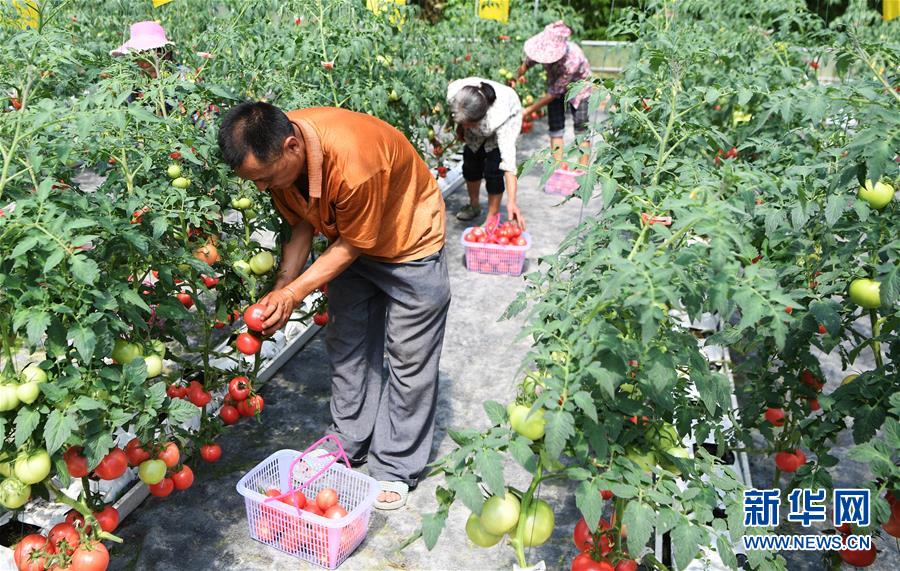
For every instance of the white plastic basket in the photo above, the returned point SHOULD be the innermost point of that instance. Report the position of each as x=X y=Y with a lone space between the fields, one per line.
x=307 y=536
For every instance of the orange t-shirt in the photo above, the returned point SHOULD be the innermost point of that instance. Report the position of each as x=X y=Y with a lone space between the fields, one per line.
x=367 y=185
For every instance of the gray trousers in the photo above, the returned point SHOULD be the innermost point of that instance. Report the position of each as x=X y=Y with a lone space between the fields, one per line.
x=401 y=310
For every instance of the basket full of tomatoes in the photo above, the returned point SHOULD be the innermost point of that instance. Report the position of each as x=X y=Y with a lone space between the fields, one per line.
x=497 y=249
x=309 y=506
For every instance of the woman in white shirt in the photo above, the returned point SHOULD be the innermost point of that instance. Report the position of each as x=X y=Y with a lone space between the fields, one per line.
x=489 y=119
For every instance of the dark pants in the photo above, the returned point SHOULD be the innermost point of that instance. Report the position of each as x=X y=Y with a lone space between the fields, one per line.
x=480 y=164
x=556 y=116
x=373 y=306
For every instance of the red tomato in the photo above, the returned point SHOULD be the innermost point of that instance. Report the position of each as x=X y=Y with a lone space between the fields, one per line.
x=775 y=416
x=76 y=462
x=822 y=330
x=92 y=557
x=814 y=405
x=584 y=562
x=297 y=499
x=582 y=536
x=606 y=494
x=311 y=507
x=199 y=397
x=113 y=465
x=248 y=344
x=862 y=558
x=810 y=380
x=22 y=554
x=176 y=391
x=478 y=231
x=265 y=531
x=252 y=406
x=471 y=237
x=184 y=478
x=335 y=512
x=254 y=317
x=790 y=461
x=627 y=565
x=210 y=452
x=170 y=454
x=326 y=498
x=162 y=489
x=229 y=414
x=239 y=388
x=108 y=518
x=63 y=533
x=891 y=526
x=186 y=300
x=503 y=240
x=76 y=519
x=135 y=453
x=321 y=319
x=210 y=282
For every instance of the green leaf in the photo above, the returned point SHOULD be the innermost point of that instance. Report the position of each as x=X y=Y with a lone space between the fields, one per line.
x=744 y=96
x=520 y=450
x=24 y=246
x=467 y=490
x=726 y=552
x=585 y=402
x=181 y=411
x=834 y=208
x=432 y=526
x=688 y=538
x=36 y=327
x=58 y=429
x=84 y=269
x=27 y=420
x=490 y=465
x=87 y=403
x=84 y=339
x=639 y=519
x=53 y=260
x=590 y=503
x=560 y=427
x=496 y=412
x=666 y=520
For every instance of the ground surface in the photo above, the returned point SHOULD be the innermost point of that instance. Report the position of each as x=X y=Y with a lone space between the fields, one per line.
x=205 y=527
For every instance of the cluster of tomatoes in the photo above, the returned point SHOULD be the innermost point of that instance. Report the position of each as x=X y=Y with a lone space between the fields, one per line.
x=790 y=461
x=731 y=153
x=65 y=547
x=596 y=547
x=298 y=535
x=506 y=234
x=241 y=401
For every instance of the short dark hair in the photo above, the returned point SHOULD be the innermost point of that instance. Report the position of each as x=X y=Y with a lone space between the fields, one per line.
x=253 y=127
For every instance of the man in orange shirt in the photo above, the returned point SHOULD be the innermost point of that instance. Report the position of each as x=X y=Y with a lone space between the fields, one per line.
x=361 y=183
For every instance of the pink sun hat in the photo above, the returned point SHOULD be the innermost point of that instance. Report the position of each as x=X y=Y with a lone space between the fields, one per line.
x=146 y=35
x=550 y=45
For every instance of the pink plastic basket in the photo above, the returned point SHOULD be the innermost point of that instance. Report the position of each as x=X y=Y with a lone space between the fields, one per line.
x=307 y=536
x=495 y=259
x=563 y=182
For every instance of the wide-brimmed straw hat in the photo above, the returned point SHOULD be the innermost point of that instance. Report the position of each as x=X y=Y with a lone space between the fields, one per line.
x=550 y=45
x=147 y=35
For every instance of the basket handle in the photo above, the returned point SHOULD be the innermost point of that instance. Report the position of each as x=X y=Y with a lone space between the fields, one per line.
x=335 y=457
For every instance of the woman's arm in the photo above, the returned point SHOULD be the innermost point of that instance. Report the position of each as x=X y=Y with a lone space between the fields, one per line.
x=542 y=102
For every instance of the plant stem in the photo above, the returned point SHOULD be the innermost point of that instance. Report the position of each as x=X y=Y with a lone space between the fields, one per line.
x=876 y=331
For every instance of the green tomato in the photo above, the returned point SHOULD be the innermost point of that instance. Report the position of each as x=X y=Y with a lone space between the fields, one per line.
x=152 y=471
x=262 y=263
x=9 y=398
x=500 y=514
x=865 y=293
x=157 y=347
x=878 y=196
x=6 y=468
x=538 y=524
x=530 y=426
x=478 y=535
x=28 y=392
x=393 y=96
x=125 y=352
x=174 y=171
x=664 y=436
x=241 y=266
x=502 y=71
x=13 y=493
x=646 y=460
x=33 y=373
x=33 y=468
x=250 y=213
x=245 y=203
x=235 y=202
x=154 y=365
x=181 y=182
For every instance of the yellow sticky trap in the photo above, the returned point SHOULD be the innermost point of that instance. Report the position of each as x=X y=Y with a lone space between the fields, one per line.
x=494 y=10
x=158 y=3
x=28 y=14
x=890 y=9
x=380 y=6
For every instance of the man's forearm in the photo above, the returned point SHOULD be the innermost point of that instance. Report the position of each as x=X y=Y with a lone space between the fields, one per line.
x=294 y=254
x=329 y=265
